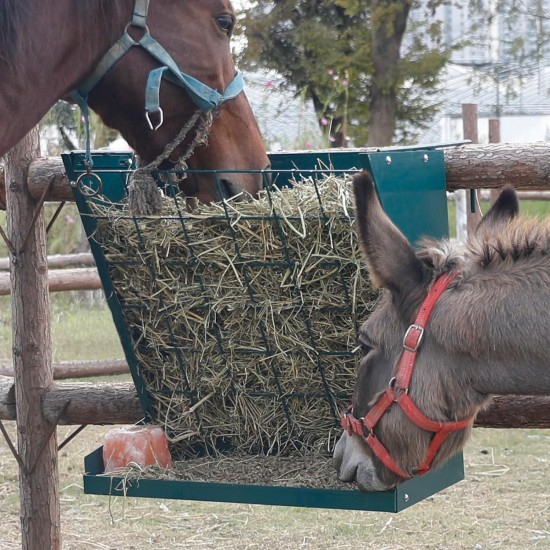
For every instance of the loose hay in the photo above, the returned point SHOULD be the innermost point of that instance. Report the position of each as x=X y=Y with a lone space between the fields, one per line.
x=314 y=472
x=243 y=315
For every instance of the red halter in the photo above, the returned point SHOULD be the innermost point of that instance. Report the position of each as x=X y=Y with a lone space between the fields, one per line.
x=398 y=392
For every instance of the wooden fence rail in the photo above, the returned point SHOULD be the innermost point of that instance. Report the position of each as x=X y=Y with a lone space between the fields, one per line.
x=61 y=280
x=63 y=370
x=59 y=261
x=117 y=403
x=481 y=166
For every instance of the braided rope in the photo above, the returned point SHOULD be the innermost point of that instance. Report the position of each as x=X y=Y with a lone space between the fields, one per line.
x=144 y=196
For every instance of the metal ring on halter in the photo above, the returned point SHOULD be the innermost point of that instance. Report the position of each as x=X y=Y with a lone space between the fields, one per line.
x=131 y=24
x=86 y=190
x=161 y=119
x=392 y=385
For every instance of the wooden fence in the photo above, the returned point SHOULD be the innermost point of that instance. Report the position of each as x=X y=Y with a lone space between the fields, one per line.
x=526 y=166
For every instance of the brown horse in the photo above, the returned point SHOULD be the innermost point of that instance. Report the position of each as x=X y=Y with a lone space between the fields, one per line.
x=486 y=332
x=48 y=49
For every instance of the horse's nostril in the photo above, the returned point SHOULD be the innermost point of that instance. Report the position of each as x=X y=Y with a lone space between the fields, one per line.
x=227 y=189
x=266 y=179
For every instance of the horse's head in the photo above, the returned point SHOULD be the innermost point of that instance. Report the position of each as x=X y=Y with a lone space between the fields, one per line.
x=196 y=34
x=390 y=416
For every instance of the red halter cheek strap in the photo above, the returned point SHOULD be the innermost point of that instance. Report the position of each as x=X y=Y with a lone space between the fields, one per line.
x=398 y=392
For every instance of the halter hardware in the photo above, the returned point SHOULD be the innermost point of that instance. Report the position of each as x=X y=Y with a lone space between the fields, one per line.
x=398 y=392
x=203 y=96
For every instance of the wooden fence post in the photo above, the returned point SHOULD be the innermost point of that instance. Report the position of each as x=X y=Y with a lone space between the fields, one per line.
x=494 y=137
x=36 y=436
x=469 y=123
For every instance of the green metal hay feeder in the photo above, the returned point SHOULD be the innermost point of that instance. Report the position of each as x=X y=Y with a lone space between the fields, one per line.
x=411 y=185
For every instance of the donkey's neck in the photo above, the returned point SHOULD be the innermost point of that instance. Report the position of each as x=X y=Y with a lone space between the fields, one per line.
x=495 y=329
x=59 y=48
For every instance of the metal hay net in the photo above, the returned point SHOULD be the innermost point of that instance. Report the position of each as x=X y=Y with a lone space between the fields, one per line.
x=243 y=315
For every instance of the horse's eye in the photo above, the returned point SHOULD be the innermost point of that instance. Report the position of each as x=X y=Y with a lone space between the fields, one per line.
x=226 y=23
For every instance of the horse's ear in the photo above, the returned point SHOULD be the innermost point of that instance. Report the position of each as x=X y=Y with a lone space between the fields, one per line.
x=391 y=260
x=503 y=210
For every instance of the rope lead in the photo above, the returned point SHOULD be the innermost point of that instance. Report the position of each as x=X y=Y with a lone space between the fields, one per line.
x=144 y=196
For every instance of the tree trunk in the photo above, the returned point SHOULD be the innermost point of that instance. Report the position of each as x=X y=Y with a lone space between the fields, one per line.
x=36 y=436
x=338 y=132
x=389 y=23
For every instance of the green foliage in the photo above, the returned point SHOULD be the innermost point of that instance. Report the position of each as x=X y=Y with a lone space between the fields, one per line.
x=64 y=235
x=67 y=119
x=325 y=49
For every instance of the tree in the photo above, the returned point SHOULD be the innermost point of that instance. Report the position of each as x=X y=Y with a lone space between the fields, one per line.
x=346 y=56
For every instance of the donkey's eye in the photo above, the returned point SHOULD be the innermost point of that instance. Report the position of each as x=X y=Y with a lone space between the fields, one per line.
x=226 y=23
x=363 y=343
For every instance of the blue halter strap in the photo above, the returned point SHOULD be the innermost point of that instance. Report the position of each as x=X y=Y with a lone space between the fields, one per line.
x=202 y=95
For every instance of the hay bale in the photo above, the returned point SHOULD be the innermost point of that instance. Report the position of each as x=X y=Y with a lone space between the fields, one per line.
x=244 y=315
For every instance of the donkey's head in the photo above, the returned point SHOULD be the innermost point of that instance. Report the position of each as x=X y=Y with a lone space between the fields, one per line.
x=441 y=395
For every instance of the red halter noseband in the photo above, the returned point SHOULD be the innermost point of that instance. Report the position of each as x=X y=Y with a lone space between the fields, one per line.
x=398 y=392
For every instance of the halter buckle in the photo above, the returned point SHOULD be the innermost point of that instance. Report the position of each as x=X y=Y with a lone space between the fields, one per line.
x=413 y=337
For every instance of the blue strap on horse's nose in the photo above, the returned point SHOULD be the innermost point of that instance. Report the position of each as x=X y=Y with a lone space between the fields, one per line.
x=204 y=97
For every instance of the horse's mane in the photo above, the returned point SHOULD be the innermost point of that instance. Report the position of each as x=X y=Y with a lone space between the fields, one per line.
x=14 y=13
x=519 y=239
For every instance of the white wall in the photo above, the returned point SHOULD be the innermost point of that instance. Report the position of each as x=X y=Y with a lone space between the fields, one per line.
x=518 y=129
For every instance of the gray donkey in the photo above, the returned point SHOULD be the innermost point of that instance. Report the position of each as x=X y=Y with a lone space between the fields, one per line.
x=455 y=324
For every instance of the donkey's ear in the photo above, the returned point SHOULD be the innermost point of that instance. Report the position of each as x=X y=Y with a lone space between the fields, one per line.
x=505 y=208
x=391 y=260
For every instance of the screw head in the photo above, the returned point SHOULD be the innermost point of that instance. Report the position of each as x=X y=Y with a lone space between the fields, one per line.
x=426 y=157
x=388 y=159
x=406 y=497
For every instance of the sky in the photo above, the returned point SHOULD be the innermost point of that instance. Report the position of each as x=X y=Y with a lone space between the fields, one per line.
x=239 y=4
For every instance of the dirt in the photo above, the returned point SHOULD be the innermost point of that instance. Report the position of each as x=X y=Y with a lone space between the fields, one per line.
x=503 y=504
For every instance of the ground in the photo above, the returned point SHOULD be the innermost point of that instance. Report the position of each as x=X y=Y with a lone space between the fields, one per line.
x=503 y=503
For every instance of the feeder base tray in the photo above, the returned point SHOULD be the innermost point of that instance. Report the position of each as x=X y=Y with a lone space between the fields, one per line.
x=276 y=491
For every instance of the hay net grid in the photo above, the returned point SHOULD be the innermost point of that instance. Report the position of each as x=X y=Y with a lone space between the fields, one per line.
x=243 y=315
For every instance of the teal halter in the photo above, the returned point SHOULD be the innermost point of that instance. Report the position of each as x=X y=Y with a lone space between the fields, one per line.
x=204 y=97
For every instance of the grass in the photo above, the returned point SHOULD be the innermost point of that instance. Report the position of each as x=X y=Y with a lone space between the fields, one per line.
x=79 y=331
x=529 y=208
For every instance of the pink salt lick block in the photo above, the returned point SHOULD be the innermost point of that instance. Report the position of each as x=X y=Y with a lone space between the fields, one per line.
x=145 y=445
